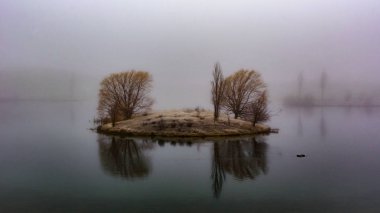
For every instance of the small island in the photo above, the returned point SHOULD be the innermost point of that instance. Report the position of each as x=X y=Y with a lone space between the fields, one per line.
x=239 y=107
x=183 y=123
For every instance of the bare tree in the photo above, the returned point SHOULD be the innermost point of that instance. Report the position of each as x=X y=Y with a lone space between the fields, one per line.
x=125 y=93
x=258 y=110
x=300 y=86
x=323 y=86
x=241 y=89
x=107 y=107
x=217 y=90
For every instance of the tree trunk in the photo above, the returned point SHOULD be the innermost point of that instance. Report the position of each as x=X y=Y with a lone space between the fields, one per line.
x=216 y=113
x=254 y=121
x=128 y=115
x=113 y=117
x=113 y=122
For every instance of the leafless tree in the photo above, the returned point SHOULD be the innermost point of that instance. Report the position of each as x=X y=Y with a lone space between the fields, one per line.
x=241 y=89
x=217 y=90
x=300 y=86
x=258 y=110
x=126 y=93
x=323 y=86
x=108 y=108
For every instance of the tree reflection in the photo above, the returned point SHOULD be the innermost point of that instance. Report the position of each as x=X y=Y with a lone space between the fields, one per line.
x=322 y=124
x=124 y=157
x=218 y=176
x=243 y=159
x=300 y=124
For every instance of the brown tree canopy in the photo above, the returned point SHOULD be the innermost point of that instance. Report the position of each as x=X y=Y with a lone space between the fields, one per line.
x=217 y=89
x=108 y=107
x=241 y=89
x=125 y=93
x=258 y=110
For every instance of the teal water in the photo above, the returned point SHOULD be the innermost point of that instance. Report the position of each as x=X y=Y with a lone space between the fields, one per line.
x=51 y=162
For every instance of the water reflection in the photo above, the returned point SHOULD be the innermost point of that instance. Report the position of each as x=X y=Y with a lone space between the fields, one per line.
x=217 y=174
x=174 y=142
x=299 y=124
x=322 y=124
x=124 y=157
x=243 y=159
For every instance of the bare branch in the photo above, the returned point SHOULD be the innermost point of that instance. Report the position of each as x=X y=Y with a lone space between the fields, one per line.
x=217 y=90
x=241 y=88
x=124 y=94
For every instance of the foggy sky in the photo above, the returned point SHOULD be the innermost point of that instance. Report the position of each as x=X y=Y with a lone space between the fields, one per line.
x=178 y=41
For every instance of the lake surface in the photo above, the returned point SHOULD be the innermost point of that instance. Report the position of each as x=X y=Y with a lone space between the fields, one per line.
x=51 y=162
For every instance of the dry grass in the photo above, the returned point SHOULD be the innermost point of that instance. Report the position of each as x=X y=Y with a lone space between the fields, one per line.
x=183 y=123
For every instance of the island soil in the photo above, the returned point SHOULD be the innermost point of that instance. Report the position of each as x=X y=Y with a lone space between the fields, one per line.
x=183 y=123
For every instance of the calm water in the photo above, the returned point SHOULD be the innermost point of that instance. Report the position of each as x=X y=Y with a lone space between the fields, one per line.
x=51 y=162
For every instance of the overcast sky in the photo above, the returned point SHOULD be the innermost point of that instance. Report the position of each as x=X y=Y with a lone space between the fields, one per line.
x=178 y=41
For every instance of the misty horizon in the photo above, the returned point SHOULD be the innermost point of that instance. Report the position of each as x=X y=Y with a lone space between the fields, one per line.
x=189 y=106
x=45 y=42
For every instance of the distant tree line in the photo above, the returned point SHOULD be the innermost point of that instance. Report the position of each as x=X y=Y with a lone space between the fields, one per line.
x=123 y=94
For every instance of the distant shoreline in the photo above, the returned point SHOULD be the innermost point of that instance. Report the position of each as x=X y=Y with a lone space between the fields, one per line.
x=2 y=100
x=334 y=105
x=183 y=123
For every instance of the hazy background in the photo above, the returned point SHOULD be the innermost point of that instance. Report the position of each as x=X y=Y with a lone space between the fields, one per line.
x=59 y=50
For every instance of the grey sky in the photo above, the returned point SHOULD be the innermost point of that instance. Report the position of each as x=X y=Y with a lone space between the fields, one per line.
x=178 y=41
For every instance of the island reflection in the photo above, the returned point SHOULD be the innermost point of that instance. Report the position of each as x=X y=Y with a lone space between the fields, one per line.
x=124 y=157
x=243 y=158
